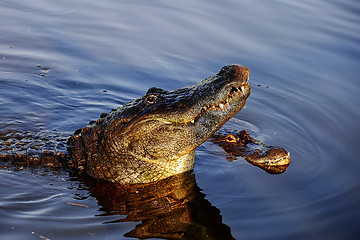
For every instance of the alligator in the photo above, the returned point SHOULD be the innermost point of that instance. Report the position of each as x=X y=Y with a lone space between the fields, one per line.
x=150 y=138
x=272 y=159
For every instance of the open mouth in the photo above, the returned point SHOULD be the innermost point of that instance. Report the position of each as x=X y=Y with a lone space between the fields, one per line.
x=223 y=104
x=235 y=92
x=212 y=101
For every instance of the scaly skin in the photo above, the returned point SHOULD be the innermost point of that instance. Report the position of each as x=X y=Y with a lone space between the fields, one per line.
x=155 y=136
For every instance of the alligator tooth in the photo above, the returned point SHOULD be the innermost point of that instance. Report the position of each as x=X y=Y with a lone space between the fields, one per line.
x=234 y=89
x=242 y=88
x=221 y=106
x=192 y=121
x=227 y=100
x=213 y=107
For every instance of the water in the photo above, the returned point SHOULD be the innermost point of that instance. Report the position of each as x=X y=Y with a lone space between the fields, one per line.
x=63 y=63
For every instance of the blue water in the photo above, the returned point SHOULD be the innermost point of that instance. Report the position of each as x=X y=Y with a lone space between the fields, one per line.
x=64 y=62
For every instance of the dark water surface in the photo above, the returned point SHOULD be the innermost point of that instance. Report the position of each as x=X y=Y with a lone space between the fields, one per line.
x=62 y=63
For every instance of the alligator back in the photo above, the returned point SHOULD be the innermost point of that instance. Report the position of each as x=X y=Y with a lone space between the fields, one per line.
x=44 y=148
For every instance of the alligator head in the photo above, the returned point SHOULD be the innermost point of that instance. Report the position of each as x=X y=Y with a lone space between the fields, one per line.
x=155 y=136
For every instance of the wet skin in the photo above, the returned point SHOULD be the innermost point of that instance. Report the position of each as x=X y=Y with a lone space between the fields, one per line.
x=154 y=136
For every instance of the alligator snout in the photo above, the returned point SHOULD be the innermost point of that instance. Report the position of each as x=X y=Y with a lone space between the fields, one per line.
x=235 y=72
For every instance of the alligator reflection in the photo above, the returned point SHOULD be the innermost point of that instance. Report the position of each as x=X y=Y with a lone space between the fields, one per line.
x=172 y=208
x=272 y=159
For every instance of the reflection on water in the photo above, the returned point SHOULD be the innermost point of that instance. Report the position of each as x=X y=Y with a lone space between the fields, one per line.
x=173 y=208
x=272 y=159
x=62 y=63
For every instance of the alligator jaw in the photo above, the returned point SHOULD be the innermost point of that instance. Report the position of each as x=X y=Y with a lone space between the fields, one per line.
x=234 y=93
x=223 y=94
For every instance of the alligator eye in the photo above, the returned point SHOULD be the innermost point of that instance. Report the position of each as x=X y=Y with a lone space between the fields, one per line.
x=151 y=99
x=230 y=138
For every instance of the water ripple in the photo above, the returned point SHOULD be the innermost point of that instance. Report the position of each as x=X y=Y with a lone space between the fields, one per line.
x=42 y=6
